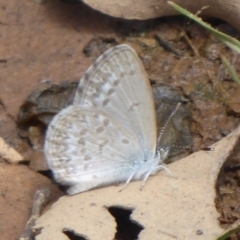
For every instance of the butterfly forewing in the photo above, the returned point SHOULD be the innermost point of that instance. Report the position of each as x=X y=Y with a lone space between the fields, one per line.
x=117 y=83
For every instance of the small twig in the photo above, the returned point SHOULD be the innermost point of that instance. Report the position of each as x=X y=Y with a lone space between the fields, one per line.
x=201 y=10
x=195 y=51
x=166 y=45
x=41 y=197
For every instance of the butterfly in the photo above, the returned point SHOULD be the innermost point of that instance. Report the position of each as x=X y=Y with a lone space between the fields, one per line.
x=109 y=134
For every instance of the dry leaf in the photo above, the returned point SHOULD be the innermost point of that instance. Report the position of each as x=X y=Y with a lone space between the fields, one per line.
x=8 y=153
x=128 y=9
x=167 y=208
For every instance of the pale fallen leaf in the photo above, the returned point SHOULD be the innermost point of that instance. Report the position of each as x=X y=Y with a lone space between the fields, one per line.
x=168 y=208
x=8 y=153
x=129 y=9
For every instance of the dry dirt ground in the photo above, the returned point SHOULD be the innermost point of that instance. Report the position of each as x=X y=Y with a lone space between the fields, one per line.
x=51 y=42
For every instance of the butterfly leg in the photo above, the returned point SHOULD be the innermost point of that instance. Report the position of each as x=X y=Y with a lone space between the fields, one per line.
x=127 y=182
x=146 y=176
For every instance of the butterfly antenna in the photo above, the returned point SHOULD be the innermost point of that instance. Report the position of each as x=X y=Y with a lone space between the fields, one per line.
x=167 y=122
x=189 y=147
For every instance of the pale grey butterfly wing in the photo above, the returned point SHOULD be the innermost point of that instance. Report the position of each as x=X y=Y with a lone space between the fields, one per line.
x=118 y=84
x=82 y=149
x=87 y=149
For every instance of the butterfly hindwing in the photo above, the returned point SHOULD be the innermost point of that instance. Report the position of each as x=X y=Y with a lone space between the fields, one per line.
x=89 y=145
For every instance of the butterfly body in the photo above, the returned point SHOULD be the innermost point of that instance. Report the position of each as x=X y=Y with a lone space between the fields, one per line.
x=109 y=133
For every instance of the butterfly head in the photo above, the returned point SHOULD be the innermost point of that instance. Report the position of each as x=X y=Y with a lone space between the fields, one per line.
x=162 y=154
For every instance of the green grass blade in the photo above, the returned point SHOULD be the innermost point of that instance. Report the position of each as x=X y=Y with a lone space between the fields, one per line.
x=231 y=70
x=228 y=40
